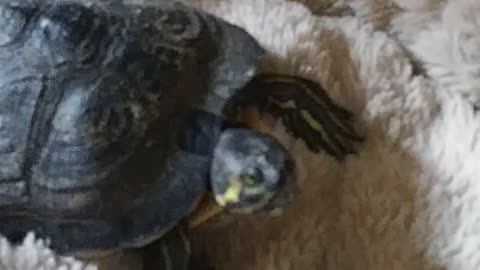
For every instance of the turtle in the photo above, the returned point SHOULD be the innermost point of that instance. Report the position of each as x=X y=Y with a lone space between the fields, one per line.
x=116 y=121
x=304 y=107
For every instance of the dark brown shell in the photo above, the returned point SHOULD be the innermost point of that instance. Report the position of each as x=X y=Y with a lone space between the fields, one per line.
x=91 y=99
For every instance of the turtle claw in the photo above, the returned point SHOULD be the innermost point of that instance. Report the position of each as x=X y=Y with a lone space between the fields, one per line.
x=172 y=251
x=306 y=111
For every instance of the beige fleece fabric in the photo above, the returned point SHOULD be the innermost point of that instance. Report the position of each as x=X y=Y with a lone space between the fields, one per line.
x=410 y=199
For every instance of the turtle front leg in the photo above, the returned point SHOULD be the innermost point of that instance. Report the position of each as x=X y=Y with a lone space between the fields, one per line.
x=172 y=252
x=304 y=108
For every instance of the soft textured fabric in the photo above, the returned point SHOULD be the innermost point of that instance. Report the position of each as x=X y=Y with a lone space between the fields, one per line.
x=411 y=198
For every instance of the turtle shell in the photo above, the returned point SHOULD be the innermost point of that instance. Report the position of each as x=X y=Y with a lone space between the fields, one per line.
x=92 y=97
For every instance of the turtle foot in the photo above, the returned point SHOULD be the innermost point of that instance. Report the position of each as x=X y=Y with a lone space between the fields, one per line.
x=171 y=252
x=305 y=109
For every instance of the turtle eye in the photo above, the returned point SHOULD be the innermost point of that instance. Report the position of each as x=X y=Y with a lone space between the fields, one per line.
x=252 y=178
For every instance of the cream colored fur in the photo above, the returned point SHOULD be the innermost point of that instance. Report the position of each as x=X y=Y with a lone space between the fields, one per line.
x=411 y=198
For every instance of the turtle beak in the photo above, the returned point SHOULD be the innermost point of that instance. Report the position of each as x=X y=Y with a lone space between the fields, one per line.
x=231 y=194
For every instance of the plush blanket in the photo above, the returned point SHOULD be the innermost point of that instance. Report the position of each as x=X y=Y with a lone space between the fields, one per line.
x=410 y=71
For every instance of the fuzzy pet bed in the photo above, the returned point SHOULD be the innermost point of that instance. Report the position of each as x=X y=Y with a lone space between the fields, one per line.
x=410 y=70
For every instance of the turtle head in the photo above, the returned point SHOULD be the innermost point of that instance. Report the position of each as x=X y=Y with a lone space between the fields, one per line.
x=252 y=173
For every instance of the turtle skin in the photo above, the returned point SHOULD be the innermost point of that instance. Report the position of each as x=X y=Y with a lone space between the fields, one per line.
x=92 y=96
